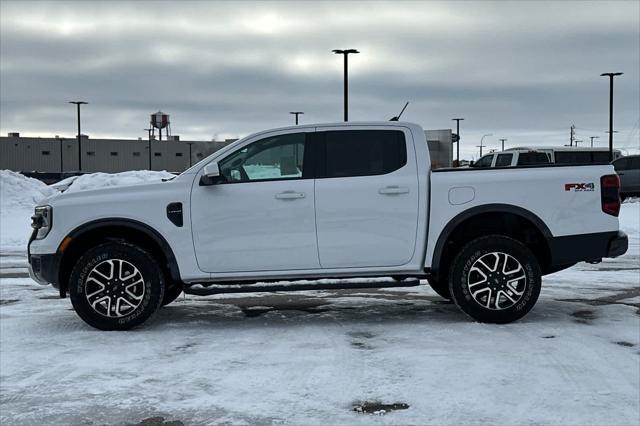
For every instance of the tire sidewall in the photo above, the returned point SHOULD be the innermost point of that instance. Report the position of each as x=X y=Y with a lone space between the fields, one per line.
x=473 y=251
x=151 y=274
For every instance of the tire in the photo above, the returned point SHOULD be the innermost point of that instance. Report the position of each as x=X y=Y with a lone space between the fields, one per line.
x=481 y=264
x=96 y=284
x=171 y=293
x=442 y=288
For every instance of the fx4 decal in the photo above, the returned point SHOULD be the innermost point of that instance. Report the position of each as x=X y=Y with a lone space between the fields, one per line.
x=578 y=187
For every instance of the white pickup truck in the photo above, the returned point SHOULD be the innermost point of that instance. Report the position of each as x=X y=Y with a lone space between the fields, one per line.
x=331 y=201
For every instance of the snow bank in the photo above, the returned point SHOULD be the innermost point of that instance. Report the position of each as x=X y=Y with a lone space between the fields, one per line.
x=104 y=180
x=18 y=196
x=21 y=194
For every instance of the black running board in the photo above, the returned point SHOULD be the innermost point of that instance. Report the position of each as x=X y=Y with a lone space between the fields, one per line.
x=259 y=288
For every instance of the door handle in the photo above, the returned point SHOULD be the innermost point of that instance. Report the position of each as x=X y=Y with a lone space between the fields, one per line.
x=393 y=190
x=290 y=195
x=620 y=174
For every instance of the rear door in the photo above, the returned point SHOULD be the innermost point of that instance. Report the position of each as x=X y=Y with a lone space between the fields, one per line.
x=366 y=197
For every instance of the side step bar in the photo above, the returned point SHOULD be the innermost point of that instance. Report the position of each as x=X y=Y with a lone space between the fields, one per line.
x=258 y=288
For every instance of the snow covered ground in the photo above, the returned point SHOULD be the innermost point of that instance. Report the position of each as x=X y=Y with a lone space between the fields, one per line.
x=330 y=357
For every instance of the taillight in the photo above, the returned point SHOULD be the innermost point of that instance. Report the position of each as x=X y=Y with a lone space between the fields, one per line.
x=610 y=194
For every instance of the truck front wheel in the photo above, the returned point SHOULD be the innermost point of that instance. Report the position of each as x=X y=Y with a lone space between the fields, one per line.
x=495 y=279
x=116 y=286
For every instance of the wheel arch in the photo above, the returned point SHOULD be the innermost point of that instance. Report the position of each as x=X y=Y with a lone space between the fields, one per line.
x=513 y=221
x=91 y=233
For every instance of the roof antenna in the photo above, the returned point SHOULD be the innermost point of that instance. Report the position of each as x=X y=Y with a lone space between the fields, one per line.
x=397 y=117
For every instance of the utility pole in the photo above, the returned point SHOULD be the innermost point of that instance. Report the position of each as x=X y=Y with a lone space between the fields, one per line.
x=345 y=53
x=296 y=113
x=78 y=103
x=573 y=134
x=610 y=75
x=458 y=120
x=592 y=138
x=502 y=140
x=481 y=140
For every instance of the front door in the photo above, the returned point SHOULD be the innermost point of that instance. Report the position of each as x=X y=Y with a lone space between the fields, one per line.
x=366 y=198
x=260 y=217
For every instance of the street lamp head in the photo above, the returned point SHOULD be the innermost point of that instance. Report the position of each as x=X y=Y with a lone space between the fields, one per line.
x=296 y=112
x=454 y=119
x=610 y=74
x=78 y=102
x=344 y=51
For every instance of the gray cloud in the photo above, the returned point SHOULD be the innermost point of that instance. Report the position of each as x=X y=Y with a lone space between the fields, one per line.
x=521 y=70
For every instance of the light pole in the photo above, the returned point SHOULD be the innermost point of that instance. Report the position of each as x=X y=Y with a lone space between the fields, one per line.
x=592 y=138
x=458 y=120
x=610 y=75
x=78 y=103
x=149 y=145
x=296 y=113
x=502 y=140
x=61 y=158
x=577 y=142
x=345 y=53
x=481 y=140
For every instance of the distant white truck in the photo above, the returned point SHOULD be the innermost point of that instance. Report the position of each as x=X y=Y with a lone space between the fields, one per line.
x=572 y=155
x=512 y=158
x=327 y=201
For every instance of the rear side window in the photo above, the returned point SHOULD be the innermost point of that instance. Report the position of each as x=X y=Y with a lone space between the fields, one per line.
x=577 y=157
x=529 y=158
x=363 y=152
x=504 y=160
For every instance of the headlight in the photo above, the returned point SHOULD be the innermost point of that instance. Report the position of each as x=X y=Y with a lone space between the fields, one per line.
x=42 y=221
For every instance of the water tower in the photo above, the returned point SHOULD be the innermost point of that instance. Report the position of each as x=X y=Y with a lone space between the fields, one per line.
x=160 y=121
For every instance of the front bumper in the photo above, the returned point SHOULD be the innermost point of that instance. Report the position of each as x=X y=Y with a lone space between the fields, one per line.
x=43 y=268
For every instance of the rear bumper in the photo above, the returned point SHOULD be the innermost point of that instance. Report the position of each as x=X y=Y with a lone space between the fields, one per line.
x=572 y=249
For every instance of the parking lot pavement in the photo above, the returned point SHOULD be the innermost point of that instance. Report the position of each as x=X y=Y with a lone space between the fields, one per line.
x=387 y=356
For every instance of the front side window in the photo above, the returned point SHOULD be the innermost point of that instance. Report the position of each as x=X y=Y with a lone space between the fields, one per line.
x=484 y=161
x=620 y=164
x=276 y=157
x=504 y=160
x=363 y=152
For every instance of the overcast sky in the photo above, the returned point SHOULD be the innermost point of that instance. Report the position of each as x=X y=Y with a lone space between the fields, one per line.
x=524 y=71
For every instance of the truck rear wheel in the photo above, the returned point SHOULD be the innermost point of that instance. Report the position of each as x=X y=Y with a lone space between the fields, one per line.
x=495 y=279
x=116 y=286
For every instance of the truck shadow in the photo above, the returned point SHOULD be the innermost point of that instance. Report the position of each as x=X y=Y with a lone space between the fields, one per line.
x=343 y=306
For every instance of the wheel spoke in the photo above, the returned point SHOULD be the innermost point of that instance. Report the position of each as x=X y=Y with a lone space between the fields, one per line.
x=114 y=288
x=496 y=280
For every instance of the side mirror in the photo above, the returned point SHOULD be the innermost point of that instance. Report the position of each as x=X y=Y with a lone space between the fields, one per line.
x=210 y=175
